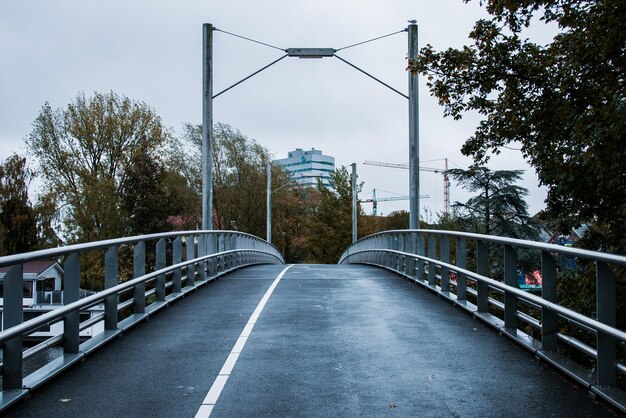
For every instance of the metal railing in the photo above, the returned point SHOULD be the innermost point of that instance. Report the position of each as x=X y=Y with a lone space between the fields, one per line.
x=479 y=273
x=180 y=262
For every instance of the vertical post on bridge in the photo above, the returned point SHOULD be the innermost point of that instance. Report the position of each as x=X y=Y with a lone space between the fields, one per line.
x=354 y=199
x=207 y=126
x=414 y=176
x=268 y=221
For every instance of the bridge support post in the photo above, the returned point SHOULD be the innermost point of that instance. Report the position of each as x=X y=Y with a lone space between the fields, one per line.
x=461 y=262
x=160 y=264
x=177 y=257
x=414 y=155
x=432 y=253
x=268 y=204
x=191 y=251
x=549 y=320
x=71 y=293
x=445 y=257
x=12 y=316
x=510 y=279
x=421 y=250
x=606 y=313
x=110 y=279
x=212 y=249
x=202 y=251
x=482 y=266
x=207 y=126
x=139 y=269
x=354 y=201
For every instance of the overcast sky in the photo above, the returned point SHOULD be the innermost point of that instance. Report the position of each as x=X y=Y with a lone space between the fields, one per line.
x=152 y=51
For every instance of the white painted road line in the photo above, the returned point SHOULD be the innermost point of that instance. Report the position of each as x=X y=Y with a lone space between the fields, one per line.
x=220 y=381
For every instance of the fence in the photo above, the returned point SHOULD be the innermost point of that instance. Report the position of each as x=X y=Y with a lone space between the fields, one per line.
x=179 y=262
x=479 y=273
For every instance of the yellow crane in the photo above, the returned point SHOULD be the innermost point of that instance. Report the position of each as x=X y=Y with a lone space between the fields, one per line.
x=443 y=171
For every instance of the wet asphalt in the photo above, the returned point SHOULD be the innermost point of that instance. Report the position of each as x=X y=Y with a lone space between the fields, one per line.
x=331 y=341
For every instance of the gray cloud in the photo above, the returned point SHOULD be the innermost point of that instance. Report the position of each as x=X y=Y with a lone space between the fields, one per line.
x=151 y=51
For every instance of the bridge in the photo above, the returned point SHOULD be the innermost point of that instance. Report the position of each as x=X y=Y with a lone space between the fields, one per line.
x=408 y=323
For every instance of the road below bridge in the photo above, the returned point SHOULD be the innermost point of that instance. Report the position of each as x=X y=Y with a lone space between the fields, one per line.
x=319 y=341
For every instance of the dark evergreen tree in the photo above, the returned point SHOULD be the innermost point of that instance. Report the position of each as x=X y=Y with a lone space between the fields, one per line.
x=17 y=216
x=499 y=208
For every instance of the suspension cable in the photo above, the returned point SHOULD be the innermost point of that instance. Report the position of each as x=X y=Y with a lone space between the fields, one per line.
x=250 y=76
x=372 y=40
x=249 y=39
x=371 y=76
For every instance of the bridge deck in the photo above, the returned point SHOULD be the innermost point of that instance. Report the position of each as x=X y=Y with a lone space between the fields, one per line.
x=330 y=341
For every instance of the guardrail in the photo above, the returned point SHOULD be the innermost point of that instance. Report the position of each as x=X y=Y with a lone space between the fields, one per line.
x=181 y=262
x=479 y=274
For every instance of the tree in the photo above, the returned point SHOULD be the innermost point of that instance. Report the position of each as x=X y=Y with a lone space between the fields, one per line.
x=86 y=151
x=499 y=208
x=239 y=178
x=142 y=194
x=564 y=102
x=330 y=226
x=18 y=224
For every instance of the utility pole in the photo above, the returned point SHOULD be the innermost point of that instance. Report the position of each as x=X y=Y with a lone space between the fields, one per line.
x=207 y=126
x=354 y=198
x=268 y=221
x=414 y=155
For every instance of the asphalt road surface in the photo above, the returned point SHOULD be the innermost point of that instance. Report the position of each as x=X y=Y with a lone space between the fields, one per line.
x=316 y=341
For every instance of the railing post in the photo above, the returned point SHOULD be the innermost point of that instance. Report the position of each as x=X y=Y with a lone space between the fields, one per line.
x=606 y=313
x=549 y=323
x=110 y=279
x=177 y=257
x=139 y=269
x=71 y=293
x=191 y=271
x=13 y=315
x=202 y=251
x=461 y=262
x=445 y=257
x=482 y=268
x=421 y=250
x=210 y=249
x=432 y=254
x=161 y=263
x=510 y=279
x=411 y=247
x=220 y=248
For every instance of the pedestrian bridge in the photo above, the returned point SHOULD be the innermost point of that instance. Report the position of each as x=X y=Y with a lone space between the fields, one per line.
x=214 y=324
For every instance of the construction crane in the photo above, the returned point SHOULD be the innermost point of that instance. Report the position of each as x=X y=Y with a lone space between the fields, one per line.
x=446 y=180
x=374 y=200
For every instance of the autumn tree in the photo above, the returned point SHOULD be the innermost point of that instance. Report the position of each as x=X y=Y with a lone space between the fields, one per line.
x=330 y=226
x=239 y=177
x=563 y=102
x=86 y=152
x=18 y=224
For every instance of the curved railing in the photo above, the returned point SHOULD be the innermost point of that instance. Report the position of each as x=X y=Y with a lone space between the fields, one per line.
x=179 y=262
x=480 y=273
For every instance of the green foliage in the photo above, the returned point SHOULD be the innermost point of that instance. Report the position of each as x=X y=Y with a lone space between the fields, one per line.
x=499 y=207
x=239 y=177
x=142 y=194
x=330 y=226
x=86 y=152
x=18 y=225
x=565 y=102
